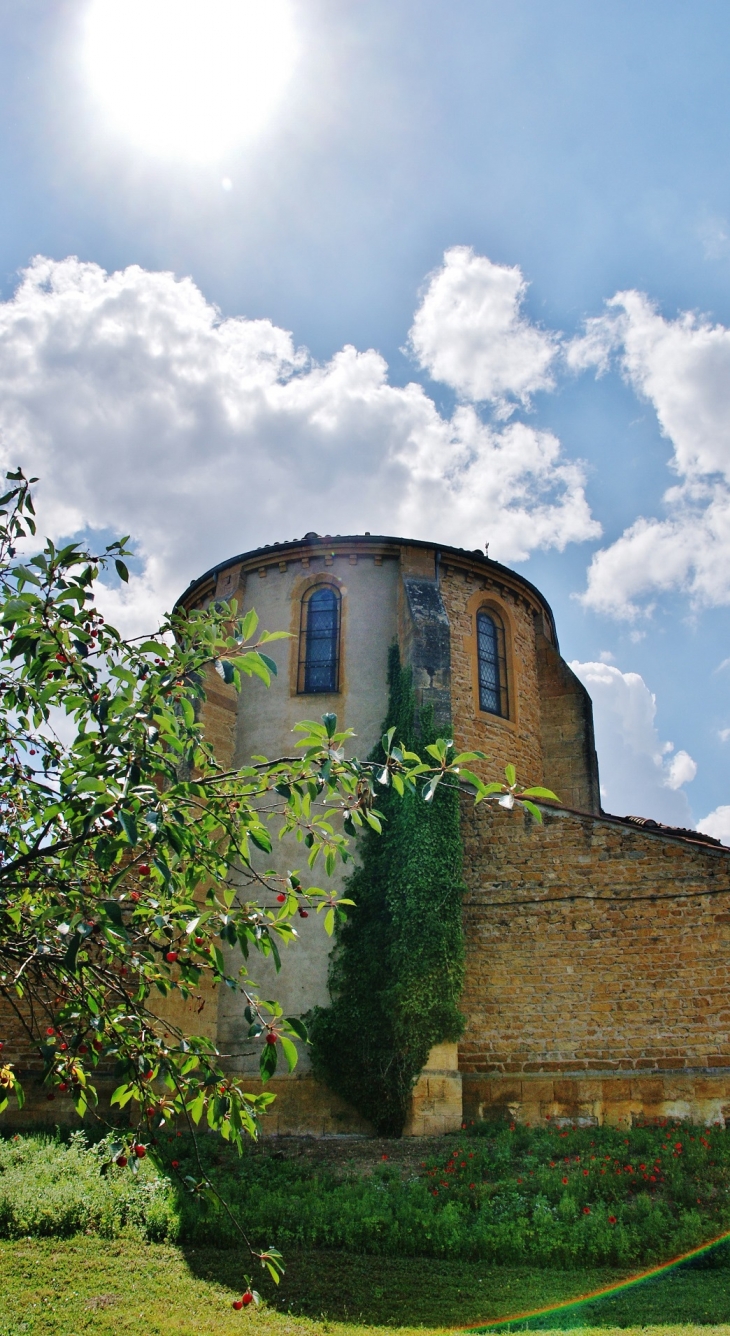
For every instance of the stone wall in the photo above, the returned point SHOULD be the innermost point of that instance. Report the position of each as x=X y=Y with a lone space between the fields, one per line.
x=516 y=739
x=596 y=952
x=570 y=764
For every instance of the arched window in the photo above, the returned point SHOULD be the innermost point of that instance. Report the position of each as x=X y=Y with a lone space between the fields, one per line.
x=493 y=696
x=319 y=641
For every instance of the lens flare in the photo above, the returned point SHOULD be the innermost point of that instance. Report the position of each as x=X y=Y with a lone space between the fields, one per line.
x=504 y=1323
x=188 y=79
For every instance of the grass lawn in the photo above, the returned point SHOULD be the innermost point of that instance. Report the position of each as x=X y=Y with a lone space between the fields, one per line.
x=66 y=1287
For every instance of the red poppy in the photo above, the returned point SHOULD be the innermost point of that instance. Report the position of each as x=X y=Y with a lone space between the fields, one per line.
x=585 y=1173
x=586 y=1210
x=565 y=1180
x=612 y=1220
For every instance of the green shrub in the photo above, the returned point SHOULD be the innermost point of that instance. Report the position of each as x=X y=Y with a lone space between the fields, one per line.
x=552 y=1198
x=51 y=1188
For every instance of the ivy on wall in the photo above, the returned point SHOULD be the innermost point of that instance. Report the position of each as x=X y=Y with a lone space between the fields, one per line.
x=398 y=967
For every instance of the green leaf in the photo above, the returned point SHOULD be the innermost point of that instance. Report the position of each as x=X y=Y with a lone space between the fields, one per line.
x=298 y=1027
x=268 y=1061
x=122 y=1095
x=511 y=774
x=533 y=810
x=69 y=959
x=129 y=826
x=537 y=792
x=290 y=1052
x=270 y=664
x=250 y=622
x=122 y=571
x=329 y=922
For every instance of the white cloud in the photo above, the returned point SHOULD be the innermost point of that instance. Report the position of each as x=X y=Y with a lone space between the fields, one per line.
x=682 y=367
x=640 y=775
x=469 y=332
x=724 y=734
x=143 y=411
x=717 y=824
x=682 y=770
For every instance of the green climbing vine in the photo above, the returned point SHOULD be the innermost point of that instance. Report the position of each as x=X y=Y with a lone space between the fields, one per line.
x=397 y=970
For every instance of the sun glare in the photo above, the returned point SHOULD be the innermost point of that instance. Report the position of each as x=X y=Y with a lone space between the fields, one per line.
x=189 y=78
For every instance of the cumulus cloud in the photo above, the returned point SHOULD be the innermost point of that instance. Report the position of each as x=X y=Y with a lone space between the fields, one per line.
x=640 y=774
x=469 y=333
x=146 y=413
x=682 y=367
x=717 y=824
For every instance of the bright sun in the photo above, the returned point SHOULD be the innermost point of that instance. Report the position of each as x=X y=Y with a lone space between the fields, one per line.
x=189 y=78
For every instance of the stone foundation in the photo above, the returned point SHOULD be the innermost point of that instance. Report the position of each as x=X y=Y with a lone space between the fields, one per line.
x=436 y=1103
x=618 y=1099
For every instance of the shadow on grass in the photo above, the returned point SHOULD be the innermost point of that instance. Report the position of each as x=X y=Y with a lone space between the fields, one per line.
x=419 y=1291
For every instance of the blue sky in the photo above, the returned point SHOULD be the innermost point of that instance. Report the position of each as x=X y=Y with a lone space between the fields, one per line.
x=458 y=187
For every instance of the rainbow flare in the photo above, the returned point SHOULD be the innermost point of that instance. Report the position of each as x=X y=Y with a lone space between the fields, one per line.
x=599 y=1294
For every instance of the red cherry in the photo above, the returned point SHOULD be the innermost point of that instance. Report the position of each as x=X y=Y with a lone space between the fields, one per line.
x=51 y=1096
x=171 y=957
x=83 y=1048
x=140 y=1151
x=98 y=1045
x=50 y=1030
x=121 y=1160
x=247 y=1298
x=199 y=941
x=176 y=1164
x=63 y=1086
x=237 y=1304
x=63 y=1047
x=270 y=1038
x=134 y=896
x=148 y=1076
x=281 y=898
x=304 y=913
x=2 y=1046
x=143 y=870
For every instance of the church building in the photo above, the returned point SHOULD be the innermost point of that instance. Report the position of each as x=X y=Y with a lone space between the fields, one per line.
x=597 y=975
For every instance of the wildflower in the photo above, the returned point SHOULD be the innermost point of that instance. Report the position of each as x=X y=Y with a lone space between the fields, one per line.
x=552 y=1164
x=585 y=1173
x=565 y=1180
x=612 y=1220
x=384 y=1157
x=472 y=1186
x=586 y=1210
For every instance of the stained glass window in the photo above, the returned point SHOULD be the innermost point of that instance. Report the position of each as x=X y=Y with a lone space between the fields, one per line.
x=319 y=641
x=492 y=665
